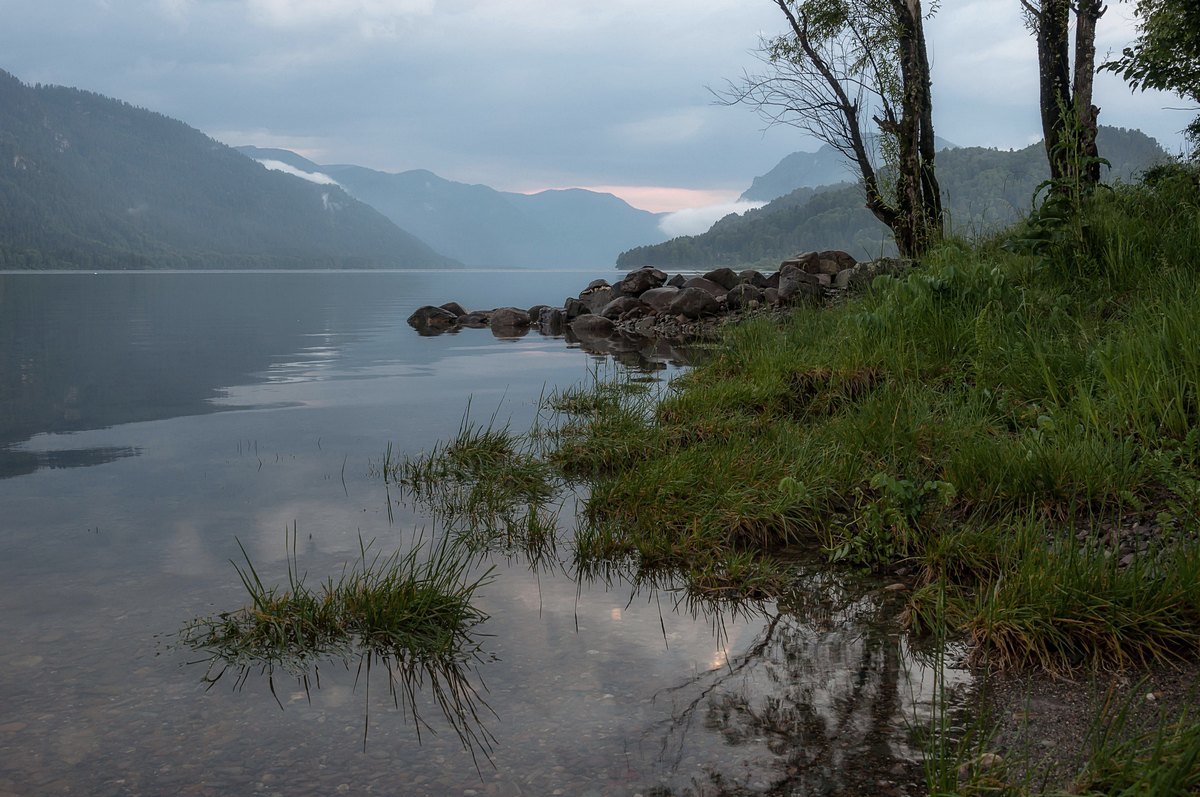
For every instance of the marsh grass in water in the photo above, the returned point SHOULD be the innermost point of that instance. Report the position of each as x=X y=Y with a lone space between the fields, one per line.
x=409 y=613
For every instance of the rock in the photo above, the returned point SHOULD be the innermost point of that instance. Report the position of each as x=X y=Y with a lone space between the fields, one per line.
x=723 y=277
x=591 y=325
x=597 y=299
x=659 y=298
x=771 y=296
x=506 y=318
x=455 y=308
x=692 y=302
x=476 y=320
x=834 y=261
x=773 y=280
x=535 y=312
x=573 y=308
x=621 y=306
x=796 y=285
x=743 y=296
x=550 y=321
x=752 y=277
x=638 y=282
x=594 y=284
x=430 y=320
x=677 y=281
x=711 y=288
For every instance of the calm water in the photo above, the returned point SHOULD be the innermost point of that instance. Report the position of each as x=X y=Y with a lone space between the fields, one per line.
x=146 y=420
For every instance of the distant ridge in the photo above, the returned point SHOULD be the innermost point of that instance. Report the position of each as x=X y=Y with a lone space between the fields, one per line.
x=484 y=227
x=89 y=182
x=984 y=190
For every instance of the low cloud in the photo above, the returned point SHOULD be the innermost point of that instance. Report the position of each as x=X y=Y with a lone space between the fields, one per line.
x=312 y=177
x=694 y=221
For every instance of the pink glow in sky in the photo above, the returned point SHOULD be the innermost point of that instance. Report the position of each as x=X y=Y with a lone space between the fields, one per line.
x=659 y=199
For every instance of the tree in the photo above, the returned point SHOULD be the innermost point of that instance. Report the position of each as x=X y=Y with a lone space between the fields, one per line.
x=1166 y=54
x=1069 y=119
x=846 y=64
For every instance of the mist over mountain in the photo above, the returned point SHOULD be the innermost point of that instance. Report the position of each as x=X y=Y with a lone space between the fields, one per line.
x=89 y=182
x=984 y=190
x=484 y=227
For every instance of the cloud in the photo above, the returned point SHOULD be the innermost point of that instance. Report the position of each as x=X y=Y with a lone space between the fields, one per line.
x=312 y=177
x=694 y=221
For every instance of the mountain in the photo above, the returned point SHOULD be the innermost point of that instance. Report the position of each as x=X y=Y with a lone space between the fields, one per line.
x=984 y=190
x=89 y=182
x=484 y=227
x=826 y=166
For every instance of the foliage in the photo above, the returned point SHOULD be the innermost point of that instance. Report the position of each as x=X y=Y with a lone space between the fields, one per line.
x=1166 y=54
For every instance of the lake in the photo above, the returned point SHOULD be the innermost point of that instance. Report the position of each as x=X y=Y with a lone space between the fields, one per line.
x=149 y=422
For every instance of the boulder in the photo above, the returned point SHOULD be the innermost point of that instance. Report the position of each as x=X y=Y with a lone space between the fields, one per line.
x=708 y=286
x=752 y=277
x=638 y=282
x=772 y=281
x=476 y=320
x=596 y=300
x=573 y=308
x=622 y=305
x=677 y=281
x=535 y=312
x=430 y=320
x=725 y=277
x=743 y=297
x=550 y=320
x=594 y=284
x=659 y=298
x=692 y=302
x=509 y=318
x=771 y=296
x=591 y=325
x=455 y=308
x=796 y=285
x=830 y=262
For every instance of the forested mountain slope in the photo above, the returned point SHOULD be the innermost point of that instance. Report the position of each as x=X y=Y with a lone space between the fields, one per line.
x=88 y=182
x=984 y=190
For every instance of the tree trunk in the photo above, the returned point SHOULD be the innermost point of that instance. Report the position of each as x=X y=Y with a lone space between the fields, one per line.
x=1054 y=77
x=1087 y=16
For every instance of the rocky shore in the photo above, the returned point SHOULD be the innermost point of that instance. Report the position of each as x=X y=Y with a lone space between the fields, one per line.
x=648 y=307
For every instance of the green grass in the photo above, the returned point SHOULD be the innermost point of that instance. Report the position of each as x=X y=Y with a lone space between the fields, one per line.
x=409 y=613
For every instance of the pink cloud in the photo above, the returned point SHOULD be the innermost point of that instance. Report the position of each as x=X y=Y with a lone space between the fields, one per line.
x=659 y=199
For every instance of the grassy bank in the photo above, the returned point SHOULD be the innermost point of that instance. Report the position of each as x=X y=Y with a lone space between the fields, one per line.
x=1015 y=426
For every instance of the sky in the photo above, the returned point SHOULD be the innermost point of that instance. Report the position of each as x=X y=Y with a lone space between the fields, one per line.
x=521 y=95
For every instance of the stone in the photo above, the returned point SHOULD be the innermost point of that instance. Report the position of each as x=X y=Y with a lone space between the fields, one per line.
x=621 y=306
x=597 y=299
x=771 y=296
x=455 y=308
x=509 y=318
x=638 y=282
x=743 y=297
x=707 y=285
x=752 y=277
x=773 y=280
x=430 y=320
x=550 y=320
x=725 y=277
x=591 y=325
x=692 y=302
x=659 y=298
x=535 y=312
x=573 y=308
x=834 y=261
x=476 y=320
x=797 y=285
x=677 y=281
x=594 y=284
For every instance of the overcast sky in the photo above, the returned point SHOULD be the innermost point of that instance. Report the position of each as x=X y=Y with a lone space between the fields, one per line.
x=518 y=94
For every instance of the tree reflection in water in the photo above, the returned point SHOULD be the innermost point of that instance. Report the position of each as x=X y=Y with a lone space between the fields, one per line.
x=827 y=699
